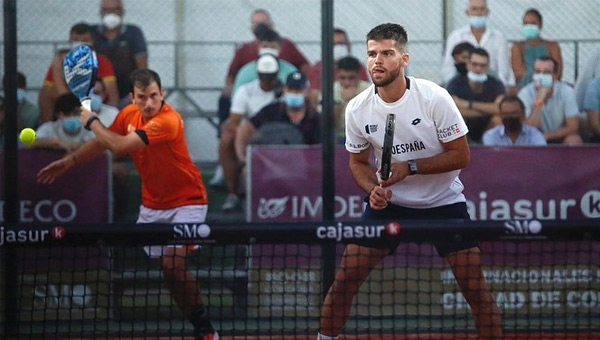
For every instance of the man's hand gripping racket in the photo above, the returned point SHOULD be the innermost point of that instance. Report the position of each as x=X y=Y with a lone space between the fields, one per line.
x=379 y=196
x=80 y=68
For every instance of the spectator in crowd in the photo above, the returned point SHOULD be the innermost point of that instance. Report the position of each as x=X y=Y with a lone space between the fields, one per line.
x=247 y=101
x=513 y=130
x=124 y=44
x=152 y=132
x=477 y=94
x=55 y=84
x=591 y=106
x=294 y=109
x=550 y=104
x=341 y=48
x=460 y=54
x=65 y=132
x=347 y=85
x=260 y=19
x=590 y=71
x=524 y=53
x=478 y=34
x=28 y=114
x=269 y=41
x=106 y=113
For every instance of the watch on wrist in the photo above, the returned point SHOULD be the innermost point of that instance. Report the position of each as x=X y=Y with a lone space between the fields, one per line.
x=412 y=166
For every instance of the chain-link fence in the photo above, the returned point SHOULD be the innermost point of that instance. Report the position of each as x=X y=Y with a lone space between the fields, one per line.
x=191 y=42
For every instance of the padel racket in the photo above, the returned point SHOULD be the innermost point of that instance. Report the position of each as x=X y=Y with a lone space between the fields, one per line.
x=80 y=68
x=388 y=142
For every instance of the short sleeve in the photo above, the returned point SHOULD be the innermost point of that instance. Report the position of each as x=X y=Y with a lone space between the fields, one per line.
x=355 y=141
x=570 y=101
x=591 y=99
x=239 y=101
x=449 y=122
x=138 y=42
x=161 y=128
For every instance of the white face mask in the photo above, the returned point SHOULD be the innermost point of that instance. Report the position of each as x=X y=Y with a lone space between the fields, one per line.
x=340 y=51
x=111 y=21
x=478 y=78
x=269 y=50
x=542 y=80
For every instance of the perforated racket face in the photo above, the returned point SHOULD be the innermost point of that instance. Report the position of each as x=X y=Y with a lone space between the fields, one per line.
x=388 y=141
x=80 y=68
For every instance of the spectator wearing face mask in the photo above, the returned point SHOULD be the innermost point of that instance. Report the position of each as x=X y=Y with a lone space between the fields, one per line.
x=477 y=95
x=124 y=44
x=550 y=104
x=479 y=34
x=294 y=110
x=524 y=53
x=28 y=114
x=460 y=55
x=55 y=84
x=66 y=132
x=513 y=130
x=247 y=101
x=341 y=48
x=269 y=42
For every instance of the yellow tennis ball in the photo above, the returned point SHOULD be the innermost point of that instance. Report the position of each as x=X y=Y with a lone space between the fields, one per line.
x=27 y=135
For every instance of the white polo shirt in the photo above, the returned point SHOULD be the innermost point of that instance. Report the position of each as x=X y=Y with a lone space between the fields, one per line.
x=250 y=98
x=426 y=117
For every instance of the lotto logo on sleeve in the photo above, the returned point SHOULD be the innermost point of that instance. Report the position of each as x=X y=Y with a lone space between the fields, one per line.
x=392 y=228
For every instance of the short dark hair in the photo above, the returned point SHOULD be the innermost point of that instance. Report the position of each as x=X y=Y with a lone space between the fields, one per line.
x=348 y=63
x=549 y=58
x=340 y=31
x=536 y=13
x=480 y=51
x=512 y=99
x=143 y=78
x=67 y=103
x=82 y=28
x=389 y=31
x=462 y=47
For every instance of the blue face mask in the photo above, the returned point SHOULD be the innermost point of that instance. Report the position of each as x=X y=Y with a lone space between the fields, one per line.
x=96 y=103
x=21 y=95
x=478 y=78
x=530 y=31
x=543 y=80
x=71 y=125
x=294 y=100
x=477 y=22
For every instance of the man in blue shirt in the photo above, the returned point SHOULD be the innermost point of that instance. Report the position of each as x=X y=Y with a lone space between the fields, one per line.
x=513 y=130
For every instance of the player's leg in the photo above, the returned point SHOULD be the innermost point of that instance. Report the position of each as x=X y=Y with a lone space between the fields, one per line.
x=356 y=265
x=466 y=266
x=182 y=284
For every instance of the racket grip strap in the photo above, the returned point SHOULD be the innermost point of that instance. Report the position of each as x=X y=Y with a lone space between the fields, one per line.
x=90 y=121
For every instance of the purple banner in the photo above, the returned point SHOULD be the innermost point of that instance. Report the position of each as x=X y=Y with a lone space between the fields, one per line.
x=80 y=196
x=500 y=183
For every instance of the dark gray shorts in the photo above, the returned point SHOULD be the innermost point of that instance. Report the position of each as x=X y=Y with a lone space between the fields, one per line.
x=395 y=212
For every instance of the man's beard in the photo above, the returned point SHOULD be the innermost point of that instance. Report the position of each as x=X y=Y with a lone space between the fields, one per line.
x=387 y=80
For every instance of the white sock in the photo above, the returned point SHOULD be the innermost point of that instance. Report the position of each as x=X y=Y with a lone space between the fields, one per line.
x=325 y=337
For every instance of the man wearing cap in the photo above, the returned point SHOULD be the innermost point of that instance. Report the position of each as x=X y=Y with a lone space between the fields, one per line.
x=247 y=101
x=294 y=109
x=269 y=42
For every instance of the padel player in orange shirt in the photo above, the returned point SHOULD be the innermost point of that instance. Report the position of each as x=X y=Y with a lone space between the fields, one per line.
x=152 y=132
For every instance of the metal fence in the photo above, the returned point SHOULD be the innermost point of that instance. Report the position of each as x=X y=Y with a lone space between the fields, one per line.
x=191 y=42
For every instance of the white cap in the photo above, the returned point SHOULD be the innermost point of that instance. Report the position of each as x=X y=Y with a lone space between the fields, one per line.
x=267 y=63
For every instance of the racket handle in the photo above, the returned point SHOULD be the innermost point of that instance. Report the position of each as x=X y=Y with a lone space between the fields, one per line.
x=87 y=104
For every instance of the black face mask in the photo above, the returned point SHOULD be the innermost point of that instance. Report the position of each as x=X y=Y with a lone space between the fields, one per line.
x=512 y=124
x=267 y=77
x=461 y=68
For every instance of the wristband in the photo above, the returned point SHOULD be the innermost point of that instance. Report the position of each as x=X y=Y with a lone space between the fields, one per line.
x=90 y=121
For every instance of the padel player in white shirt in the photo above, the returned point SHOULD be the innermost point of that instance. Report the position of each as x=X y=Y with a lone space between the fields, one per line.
x=426 y=117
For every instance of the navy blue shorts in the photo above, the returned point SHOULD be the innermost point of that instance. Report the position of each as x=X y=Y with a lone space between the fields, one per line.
x=395 y=212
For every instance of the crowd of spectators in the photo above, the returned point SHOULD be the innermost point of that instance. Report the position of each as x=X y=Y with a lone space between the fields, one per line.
x=508 y=94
